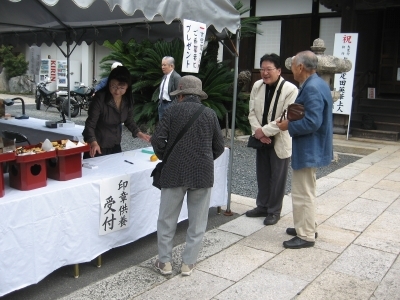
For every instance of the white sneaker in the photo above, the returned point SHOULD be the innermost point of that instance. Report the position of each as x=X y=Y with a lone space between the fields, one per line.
x=164 y=268
x=186 y=270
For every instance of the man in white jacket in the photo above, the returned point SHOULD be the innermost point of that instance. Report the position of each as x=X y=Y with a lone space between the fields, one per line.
x=270 y=96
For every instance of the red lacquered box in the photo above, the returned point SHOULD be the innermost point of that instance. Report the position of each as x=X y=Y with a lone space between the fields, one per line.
x=28 y=172
x=67 y=165
x=3 y=158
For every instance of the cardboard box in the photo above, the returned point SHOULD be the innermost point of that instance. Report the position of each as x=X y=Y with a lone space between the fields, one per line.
x=4 y=157
x=2 y=108
x=7 y=145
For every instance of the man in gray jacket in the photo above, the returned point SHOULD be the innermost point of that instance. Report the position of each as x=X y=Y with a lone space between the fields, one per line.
x=169 y=83
x=189 y=169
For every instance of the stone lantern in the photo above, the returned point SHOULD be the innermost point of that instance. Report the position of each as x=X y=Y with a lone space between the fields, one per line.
x=328 y=65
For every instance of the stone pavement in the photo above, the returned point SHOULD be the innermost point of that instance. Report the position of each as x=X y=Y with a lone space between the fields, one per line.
x=356 y=255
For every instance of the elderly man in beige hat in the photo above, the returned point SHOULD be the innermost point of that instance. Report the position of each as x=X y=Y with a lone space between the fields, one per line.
x=188 y=170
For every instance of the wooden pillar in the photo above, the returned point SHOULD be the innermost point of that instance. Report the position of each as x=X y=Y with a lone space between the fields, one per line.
x=348 y=12
x=315 y=20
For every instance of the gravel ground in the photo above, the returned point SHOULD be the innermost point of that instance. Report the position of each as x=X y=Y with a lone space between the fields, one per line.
x=243 y=176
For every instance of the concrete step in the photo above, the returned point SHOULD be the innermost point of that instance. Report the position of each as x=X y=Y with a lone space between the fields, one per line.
x=385 y=126
x=357 y=145
x=378 y=117
x=376 y=109
x=375 y=134
x=381 y=102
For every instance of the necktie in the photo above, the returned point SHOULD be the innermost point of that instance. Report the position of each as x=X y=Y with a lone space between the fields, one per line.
x=162 y=88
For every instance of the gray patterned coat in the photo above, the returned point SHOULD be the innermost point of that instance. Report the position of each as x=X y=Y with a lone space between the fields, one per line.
x=191 y=162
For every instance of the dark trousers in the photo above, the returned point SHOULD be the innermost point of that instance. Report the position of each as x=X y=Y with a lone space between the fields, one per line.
x=162 y=106
x=271 y=179
x=105 y=151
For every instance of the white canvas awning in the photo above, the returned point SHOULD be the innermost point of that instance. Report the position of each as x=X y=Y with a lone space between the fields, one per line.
x=55 y=21
x=74 y=21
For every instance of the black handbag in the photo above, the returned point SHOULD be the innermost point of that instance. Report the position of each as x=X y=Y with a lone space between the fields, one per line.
x=156 y=173
x=256 y=143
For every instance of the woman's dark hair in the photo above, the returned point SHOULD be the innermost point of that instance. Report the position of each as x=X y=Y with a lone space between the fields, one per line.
x=274 y=58
x=121 y=74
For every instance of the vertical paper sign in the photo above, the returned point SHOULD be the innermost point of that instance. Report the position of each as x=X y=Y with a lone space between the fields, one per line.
x=346 y=48
x=34 y=60
x=194 y=34
x=114 y=204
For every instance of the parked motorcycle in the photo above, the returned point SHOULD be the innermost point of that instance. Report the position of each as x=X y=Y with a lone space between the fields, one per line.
x=48 y=98
x=79 y=99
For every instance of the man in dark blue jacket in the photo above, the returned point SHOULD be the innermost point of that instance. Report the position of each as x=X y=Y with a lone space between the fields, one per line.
x=312 y=146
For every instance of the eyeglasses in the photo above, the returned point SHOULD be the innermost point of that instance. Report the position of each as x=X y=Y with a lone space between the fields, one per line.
x=119 y=88
x=267 y=70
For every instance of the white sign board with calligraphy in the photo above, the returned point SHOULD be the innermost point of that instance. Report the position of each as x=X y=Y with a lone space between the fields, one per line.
x=114 y=204
x=346 y=48
x=194 y=34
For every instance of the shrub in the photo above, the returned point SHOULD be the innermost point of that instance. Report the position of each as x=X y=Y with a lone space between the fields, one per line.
x=15 y=65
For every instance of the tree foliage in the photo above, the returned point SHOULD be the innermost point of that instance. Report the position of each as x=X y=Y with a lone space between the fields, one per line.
x=15 y=65
x=143 y=60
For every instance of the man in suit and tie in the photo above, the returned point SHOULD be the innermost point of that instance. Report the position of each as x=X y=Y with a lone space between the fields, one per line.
x=169 y=83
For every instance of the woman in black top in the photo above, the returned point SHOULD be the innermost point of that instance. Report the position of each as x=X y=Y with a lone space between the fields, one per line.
x=110 y=107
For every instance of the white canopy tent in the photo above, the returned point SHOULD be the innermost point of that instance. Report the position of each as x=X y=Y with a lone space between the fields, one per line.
x=48 y=21
x=35 y=22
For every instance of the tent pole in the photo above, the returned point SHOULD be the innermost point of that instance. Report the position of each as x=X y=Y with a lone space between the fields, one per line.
x=228 y=211
x=68 y=82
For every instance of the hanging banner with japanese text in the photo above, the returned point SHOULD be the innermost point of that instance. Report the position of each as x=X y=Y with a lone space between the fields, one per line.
x=114 y=204
x=194 y=34
x=345 y=48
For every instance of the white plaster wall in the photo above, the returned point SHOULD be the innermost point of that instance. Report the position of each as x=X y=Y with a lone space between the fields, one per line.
x=266 y=8
x=269 y=41
x=100 y=52
x=328 y=28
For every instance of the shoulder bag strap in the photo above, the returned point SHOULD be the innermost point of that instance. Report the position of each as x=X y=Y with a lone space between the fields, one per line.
x=278 y=93
x=183 y=131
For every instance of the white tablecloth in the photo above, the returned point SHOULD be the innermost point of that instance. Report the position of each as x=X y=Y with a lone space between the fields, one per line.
x=73 y=133
x=57 y=225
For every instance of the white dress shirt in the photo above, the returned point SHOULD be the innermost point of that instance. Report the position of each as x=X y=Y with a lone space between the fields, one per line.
x=164 y=95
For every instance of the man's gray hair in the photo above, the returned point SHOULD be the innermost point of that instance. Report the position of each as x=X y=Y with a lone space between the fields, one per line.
x=308 y=59
x=170 y=60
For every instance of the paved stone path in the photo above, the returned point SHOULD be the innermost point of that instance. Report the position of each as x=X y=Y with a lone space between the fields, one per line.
x=356 y=255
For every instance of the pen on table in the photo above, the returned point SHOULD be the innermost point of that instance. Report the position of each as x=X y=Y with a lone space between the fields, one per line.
x=129 y=162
